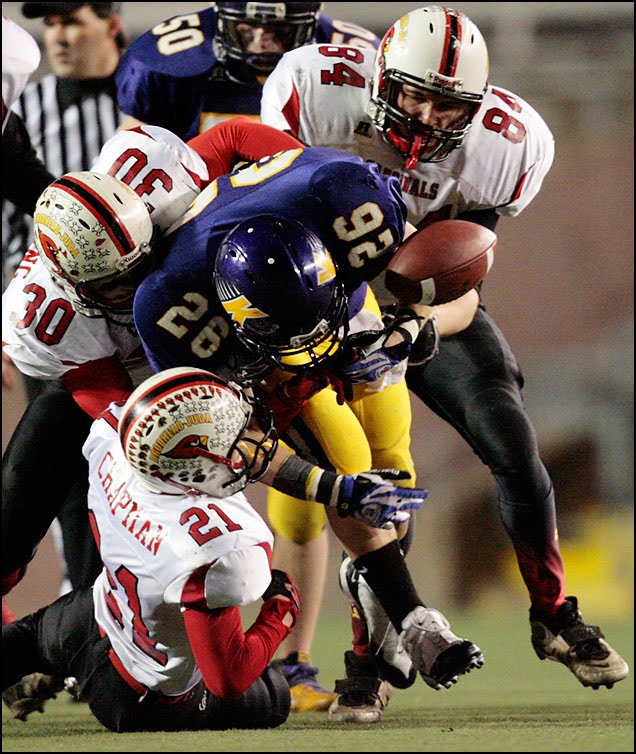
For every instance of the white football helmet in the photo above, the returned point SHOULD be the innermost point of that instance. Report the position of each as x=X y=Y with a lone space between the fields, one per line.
x=437 y=49
x=183 y=429
x=94 y=234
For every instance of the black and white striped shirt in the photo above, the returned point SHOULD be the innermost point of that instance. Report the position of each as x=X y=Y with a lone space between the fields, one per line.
x=68 y=121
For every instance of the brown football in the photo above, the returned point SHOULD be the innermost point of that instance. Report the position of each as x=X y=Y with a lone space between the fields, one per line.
x=441 y=262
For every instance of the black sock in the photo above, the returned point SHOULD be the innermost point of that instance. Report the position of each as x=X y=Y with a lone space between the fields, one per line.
x=385 y=571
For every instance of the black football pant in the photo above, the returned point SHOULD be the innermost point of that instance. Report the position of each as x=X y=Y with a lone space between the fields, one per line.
x=63 y=640
x=44 y=476
x=474 y=384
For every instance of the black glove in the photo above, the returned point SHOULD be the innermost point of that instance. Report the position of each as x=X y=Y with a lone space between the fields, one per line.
x=369 y=358
x=282 y=584
x=427 y=344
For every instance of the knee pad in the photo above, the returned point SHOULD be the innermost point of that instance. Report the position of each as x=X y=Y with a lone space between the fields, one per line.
x=297 y=520
x=407 y=539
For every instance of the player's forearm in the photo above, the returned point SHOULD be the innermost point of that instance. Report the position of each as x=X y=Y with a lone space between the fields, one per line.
x=452 y=317
x=238 y=139
x=303 y=480
x=230 y=660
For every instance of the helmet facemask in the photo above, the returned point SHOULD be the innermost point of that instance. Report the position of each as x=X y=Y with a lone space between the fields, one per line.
x=304 y=352
x=114 y=293
x=289 y=28
x=416 y=141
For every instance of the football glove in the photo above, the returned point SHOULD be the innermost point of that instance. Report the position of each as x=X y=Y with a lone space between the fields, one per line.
x=427 y=344
x=369 y=356
x=282 y=585
x=373 y=498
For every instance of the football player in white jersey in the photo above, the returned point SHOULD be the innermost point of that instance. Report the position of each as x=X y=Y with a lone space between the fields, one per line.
x=97 y=358
x=182 y=550
x=422 y=108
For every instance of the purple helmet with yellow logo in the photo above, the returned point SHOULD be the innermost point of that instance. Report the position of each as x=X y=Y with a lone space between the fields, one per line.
x=279 y=285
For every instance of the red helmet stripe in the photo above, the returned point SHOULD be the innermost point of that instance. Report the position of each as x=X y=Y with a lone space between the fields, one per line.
x=106 y=215
x=452 y=43
x=159 y=390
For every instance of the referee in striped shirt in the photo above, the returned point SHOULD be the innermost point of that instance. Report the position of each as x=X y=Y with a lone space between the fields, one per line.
x=71 y=112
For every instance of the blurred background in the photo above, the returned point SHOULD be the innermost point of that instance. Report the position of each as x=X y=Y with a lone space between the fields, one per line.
x=561 y=288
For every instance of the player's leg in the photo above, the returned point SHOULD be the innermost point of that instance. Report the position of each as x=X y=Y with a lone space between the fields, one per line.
x=266 y=704
x=301 y=548
x=424 y=633
x=331 y=435
x=42 y=649
x=41 y=463
x=475 y=383
x=386 y=418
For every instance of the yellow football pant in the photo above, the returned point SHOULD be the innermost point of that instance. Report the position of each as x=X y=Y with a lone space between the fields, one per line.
x=372 y=431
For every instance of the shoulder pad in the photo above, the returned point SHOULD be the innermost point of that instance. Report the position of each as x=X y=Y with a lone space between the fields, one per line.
x=153 y=48
x=238 y=578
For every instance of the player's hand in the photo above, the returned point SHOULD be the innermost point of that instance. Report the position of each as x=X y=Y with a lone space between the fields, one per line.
x=427 y=344
x=372 y=498
x=373 y=353
x=290 y=397
x=282 y=585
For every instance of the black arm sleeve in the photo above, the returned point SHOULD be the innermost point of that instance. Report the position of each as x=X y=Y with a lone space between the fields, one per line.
x=24 y=175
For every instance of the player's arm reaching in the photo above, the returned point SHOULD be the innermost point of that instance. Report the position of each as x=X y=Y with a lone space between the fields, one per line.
x=230 y=660
x=239 y=139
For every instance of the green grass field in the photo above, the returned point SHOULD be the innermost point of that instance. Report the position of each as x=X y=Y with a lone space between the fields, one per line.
x=514 y=703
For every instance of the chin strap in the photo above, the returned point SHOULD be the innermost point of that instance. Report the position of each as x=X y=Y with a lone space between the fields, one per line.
x=411 y=150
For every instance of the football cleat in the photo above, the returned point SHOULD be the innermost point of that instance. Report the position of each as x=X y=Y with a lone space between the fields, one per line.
x=393 y=663
x=438 y=654
x=362 y=696
x=30 y=694
x=566 y=638
x=307 y=695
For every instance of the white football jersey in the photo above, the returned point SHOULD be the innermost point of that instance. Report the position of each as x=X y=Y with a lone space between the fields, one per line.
x=320 y=94
x=46 y=338
x=20 y=58
x=41 y=333
x=160 y=550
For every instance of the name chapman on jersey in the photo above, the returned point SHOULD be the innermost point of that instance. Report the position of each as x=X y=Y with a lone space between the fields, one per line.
x=135 y=520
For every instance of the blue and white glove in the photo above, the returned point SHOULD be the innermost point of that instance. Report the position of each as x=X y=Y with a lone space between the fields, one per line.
x=369 y=356
x=372 y=498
